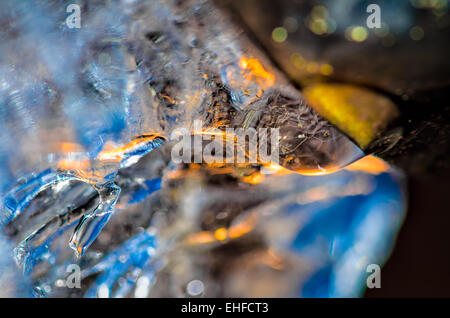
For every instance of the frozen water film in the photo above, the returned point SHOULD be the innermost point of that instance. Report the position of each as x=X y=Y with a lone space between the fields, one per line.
x=87 y=181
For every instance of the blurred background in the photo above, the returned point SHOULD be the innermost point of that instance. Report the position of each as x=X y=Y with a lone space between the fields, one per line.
x=135 y=70
x=407 y=60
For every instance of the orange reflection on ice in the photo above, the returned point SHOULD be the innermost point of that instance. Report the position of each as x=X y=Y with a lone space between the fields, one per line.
x=74 y=159
x=78 y=163
x=67 y=147
x=253 y=69
x=280 y=170
x=270 y=258
x=200 y=238
x=254 y=178
x=222 y=233
x=356 y=187
x=243 y=227
x=111 y=153
x=370 y=164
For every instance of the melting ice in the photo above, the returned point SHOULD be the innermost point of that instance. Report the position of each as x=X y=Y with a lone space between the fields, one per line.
x=84 y=165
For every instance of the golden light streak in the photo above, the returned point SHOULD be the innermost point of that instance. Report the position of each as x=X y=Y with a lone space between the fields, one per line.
x=203 y=237
x=242 y=228
x=369 y=164
x=67 y=147
x=254 y=70
x=117 y=154
x=80 y=165
x=222 y=234
x=254 y=178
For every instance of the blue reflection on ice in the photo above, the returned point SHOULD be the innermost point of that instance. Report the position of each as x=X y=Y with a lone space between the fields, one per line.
x=103 y=101
x=343 y=238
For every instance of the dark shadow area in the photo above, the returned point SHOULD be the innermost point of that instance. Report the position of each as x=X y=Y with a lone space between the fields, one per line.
x=419 y=265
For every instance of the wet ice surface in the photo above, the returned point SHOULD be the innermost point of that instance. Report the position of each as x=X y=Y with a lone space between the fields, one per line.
x=12 y=282
x=287 y=235
x=71 y=178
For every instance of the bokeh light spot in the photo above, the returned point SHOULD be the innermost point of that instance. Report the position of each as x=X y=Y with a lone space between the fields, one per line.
x=358 y=34
x=416 y=33
x=279 y=34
